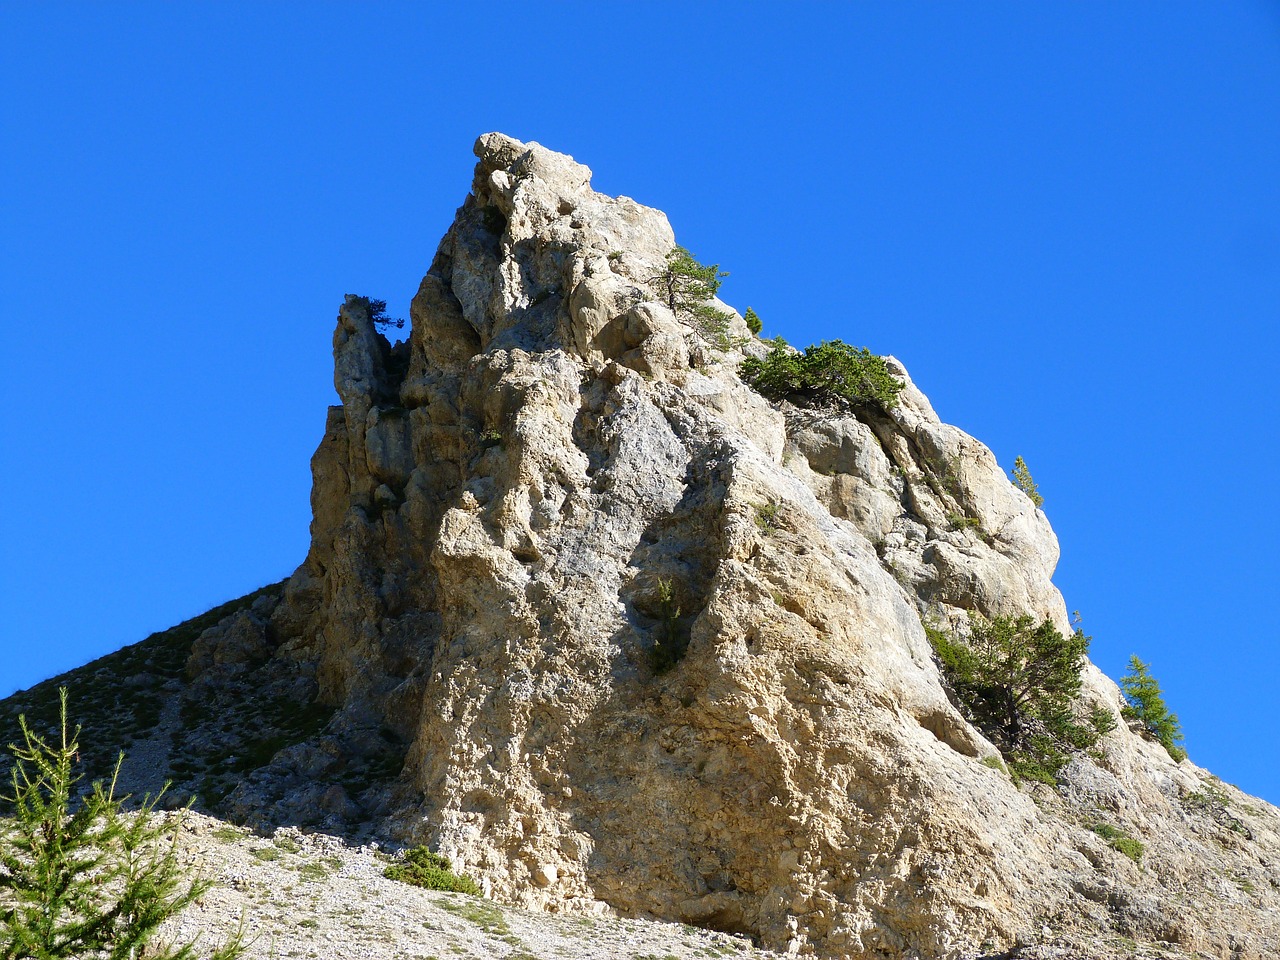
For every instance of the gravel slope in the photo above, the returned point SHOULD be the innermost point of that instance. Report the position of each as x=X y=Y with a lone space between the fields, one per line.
x=314 y=896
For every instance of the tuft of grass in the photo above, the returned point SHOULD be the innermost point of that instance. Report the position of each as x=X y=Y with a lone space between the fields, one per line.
x=422 y=868
x=960 y=522
x=1120 y=841
x=767 y=517
x=1210 y=798
x=1213 y=801
x=485 y=916
x=316 y=870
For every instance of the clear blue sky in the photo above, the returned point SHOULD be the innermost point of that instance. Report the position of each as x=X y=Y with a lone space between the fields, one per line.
x=1064 y=218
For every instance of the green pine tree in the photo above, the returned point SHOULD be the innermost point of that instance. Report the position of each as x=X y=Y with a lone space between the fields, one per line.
x=79 y=875
x=753 y=321
x=687 y=287
x=1019 y=681
x=1022 y=480
x=1146 y=705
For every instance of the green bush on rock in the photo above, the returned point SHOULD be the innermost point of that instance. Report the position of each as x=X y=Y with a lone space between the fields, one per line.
x=831 y=374
x=1019 y=682
x=1120 y=841
x=422 y=868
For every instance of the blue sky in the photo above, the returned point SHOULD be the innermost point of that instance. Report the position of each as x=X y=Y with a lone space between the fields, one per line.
x=1064 y=218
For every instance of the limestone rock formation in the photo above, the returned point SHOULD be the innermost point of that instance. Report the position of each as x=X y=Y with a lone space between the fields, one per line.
x=500 y=500
x=553 y=476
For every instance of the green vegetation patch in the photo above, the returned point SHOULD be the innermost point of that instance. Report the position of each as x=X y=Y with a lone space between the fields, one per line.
x=422 y=868
x=1019 y=681
x=830 y=375
x=316 y=870
x=767 y=517
x=1120 y=841
x=484 y=915
x=1212 y=801
x=671 y=639
x=995 y=763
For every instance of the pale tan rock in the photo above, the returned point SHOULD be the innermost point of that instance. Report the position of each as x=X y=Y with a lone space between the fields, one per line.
x=499 y=509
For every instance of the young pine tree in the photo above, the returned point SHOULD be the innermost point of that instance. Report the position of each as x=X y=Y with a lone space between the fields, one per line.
x=686 y=286
x=1022 y=480
x=1147 y=706
x=80 y=876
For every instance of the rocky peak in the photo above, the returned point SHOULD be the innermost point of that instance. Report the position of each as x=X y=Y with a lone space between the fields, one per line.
x=590 y=616
x=571 y=477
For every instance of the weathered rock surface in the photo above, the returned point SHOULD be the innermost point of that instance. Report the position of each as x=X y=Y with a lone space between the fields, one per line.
x=499 y=504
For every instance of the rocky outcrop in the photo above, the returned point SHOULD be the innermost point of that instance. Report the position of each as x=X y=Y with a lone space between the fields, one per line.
x=553 y=475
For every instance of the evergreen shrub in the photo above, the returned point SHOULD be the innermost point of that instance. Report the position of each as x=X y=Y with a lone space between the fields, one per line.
x=422 y=868
x=1146 y=705
x=831 y=374
x=1019 y=682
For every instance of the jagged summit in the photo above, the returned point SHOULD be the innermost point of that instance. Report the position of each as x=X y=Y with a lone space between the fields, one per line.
x=554 y=475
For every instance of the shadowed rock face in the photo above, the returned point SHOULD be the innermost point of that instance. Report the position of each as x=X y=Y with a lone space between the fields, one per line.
x=553 y=475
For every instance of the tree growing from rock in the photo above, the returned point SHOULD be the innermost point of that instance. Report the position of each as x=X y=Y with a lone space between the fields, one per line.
x=80 y=876
x=1146 y=705
x=687 y=288
x=378 y=314
x=1022 y=480
x=1020 y=681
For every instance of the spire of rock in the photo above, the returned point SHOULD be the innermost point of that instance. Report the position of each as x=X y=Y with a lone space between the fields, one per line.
x=611 y=631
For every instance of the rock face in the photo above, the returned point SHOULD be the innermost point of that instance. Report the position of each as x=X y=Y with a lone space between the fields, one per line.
x=553 y=474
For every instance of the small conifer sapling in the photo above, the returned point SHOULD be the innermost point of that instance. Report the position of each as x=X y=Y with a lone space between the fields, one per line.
x=79 y=875
x=1146 y=705
x=1022 y=480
